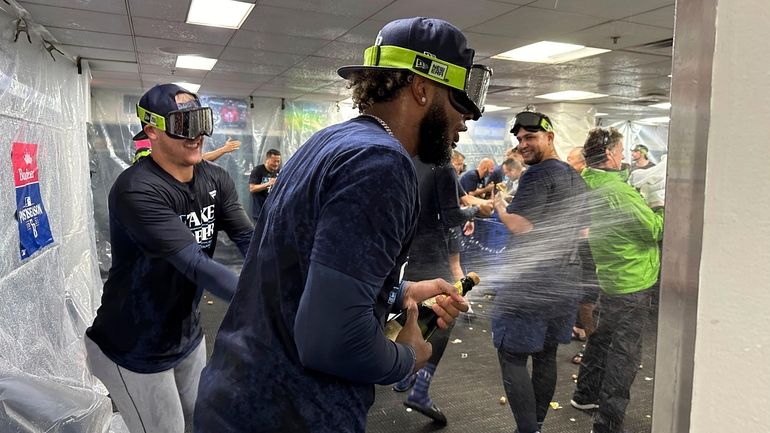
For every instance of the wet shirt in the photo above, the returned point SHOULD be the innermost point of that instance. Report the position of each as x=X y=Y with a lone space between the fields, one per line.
x=148 y=320
x=346 y=201
x=545 y=262
x=258 y=176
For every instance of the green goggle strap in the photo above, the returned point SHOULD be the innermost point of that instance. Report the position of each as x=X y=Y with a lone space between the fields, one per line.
x=546 y=125
x=151 y=118
x=429 y=67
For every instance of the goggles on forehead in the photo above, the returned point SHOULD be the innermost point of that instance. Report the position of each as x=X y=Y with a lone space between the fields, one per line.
x=531 y=121
x=188 y=123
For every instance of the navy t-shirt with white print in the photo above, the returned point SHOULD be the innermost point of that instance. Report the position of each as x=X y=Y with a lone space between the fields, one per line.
x=149 y=320
x=346 y=201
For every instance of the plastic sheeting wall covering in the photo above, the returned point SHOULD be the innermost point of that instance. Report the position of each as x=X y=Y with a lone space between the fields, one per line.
x=49 y=299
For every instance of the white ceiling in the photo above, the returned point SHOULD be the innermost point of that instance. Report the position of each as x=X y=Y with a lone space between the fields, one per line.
x=291 y=48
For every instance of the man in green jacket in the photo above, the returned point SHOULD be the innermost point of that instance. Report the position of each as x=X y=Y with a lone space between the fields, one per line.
x=624 y=237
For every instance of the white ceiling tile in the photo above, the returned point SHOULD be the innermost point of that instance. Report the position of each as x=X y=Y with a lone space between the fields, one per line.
x=100 y=53
x=276 y=42
x=663 y=17
x=322 y=68
x=364 y=33
x=348 y=8
x=350 y=53
x=167 y=61
x=461 y=13
x=533 y=23
x=612 y=9
x=93 y=39
x=183 y=32
x=248 y=68
x=171 y=71
x=165 y=46
x=617 y=35
x=54 y=17
x=168 y=78
x=109 y=6
x=292 y=22
x=166 y=10
x=488 y=45
x=259 y=57
x=251 y=79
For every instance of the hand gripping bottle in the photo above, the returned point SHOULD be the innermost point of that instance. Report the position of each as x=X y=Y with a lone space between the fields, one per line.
x=427 y=319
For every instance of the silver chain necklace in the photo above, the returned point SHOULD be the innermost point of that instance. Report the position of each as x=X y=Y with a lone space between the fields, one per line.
x=381 y=122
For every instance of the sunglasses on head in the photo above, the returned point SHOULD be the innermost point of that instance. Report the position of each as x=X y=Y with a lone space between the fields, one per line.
x=531 y=121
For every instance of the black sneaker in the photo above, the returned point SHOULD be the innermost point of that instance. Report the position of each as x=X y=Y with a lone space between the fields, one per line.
x=583 y=406
x=432 y=411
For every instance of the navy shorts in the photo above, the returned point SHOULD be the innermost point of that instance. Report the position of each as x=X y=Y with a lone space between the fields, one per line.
x=529 y=334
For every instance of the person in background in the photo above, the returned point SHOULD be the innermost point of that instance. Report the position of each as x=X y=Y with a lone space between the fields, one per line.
x=476 y=182
x=536 y=311
x=302 y=343
x=639 y=155
x=429 y=257
x=229 y=146
x=262 y=179
x=146 y=344
x=576 y=159
x=458 y=162
x=624 y=240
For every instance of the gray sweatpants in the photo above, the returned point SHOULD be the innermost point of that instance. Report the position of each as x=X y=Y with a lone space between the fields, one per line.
x=156 y=402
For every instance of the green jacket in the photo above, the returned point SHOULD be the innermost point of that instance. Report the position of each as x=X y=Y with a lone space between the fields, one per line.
x=624 y=235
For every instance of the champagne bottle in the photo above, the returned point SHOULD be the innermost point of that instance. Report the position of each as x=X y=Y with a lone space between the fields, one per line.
x=427 y=320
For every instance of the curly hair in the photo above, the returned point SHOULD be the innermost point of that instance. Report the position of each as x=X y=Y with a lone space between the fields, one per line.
x=371 y=86
x=597 y=141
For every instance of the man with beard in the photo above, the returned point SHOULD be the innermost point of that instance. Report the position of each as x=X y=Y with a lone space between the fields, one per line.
x=302 y=343
x=536 y=311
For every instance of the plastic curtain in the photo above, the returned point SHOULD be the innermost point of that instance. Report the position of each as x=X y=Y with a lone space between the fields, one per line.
x=50 y=296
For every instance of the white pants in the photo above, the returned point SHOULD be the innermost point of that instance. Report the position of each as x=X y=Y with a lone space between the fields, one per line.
x=151 y=403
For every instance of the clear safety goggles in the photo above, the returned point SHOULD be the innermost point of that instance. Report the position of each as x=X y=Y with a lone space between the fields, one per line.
x=189 y=123
x=476 y=87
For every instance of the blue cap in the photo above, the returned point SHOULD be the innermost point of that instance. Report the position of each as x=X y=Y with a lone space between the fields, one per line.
x=161 y=100
x=432 y=37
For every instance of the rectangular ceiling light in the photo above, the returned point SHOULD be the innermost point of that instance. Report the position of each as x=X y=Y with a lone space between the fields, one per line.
x=571 y=95
x=662 y=105
x=195 y=62
x=229 y=14
x=489 y=108
x=189 y=86
x=549 y=52
x=601 y=114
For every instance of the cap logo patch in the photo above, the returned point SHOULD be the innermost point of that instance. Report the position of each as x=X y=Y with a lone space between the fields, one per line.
x=430 y=67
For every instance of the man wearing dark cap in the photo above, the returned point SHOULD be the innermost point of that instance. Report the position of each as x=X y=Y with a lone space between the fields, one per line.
x=639 y=155
x=536 y=310
x=302 y=343
x=146 y=343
